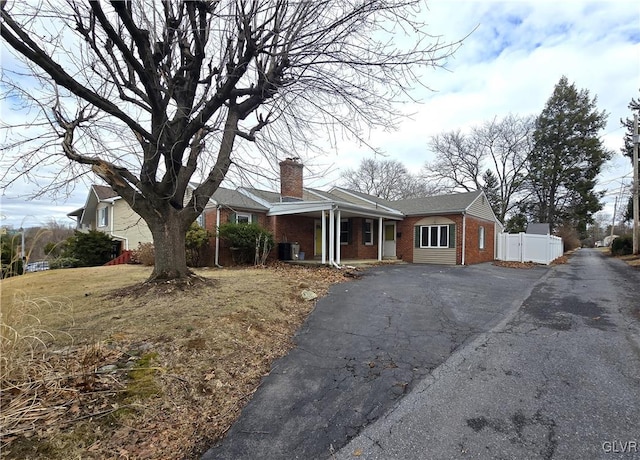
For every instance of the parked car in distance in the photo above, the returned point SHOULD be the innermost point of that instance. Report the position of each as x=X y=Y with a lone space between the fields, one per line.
x=37 y=266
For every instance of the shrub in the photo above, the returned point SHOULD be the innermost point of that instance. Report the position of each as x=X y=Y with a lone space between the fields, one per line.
x=622 y=246
x=10 y=259
x=196 y=244
x=569 y=237
x=249 y=242
x=145 y=254
x=91 y=248
x=64 y=262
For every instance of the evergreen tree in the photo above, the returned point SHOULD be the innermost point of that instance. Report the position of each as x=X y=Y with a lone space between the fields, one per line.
x=490 y=189
x=567 y=156
x=627 y=150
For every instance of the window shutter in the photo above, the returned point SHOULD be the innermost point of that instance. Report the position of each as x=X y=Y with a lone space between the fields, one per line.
x=416 y=236
x=232 y=217
x=349 y=232
x=254 y=219
x=452 y=235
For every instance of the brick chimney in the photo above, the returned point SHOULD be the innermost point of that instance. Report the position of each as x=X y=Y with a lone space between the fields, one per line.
x=291 y=178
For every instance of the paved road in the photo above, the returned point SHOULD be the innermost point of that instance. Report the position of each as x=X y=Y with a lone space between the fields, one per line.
x=366 y=345
x=559 y=379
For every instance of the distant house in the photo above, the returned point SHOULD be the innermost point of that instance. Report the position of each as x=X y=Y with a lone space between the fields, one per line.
x=106 y=211
x=330 y=226
x=538 y=229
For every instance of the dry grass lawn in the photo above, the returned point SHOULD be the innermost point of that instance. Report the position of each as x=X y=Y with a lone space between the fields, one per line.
x=91 y=368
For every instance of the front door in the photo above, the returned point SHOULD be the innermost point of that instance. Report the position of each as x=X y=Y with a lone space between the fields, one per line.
x=389 y=243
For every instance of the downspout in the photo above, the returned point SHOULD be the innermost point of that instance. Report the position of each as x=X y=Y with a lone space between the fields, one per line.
x=217 y=259
x=464 y=235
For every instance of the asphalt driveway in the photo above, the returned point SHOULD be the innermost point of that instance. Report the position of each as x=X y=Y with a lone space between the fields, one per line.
x=366 y=344
x=557 y=379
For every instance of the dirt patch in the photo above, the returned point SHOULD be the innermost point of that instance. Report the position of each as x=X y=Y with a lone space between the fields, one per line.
x=153 y=372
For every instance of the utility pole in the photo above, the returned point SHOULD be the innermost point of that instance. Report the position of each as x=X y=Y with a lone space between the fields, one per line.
x=613 y=222
x=636 y=185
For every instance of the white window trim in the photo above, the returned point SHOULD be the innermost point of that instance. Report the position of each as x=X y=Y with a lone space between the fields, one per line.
x=369 y=242
x=242 y=214
x=440 y=228
x=103 y=217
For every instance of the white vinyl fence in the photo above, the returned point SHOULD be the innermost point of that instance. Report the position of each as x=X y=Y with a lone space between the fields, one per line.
x=524 y=247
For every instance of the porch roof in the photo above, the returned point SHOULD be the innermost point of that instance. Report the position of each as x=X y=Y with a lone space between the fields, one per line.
x=314 y=208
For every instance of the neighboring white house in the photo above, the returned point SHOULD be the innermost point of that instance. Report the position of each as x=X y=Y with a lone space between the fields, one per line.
x=107 y=212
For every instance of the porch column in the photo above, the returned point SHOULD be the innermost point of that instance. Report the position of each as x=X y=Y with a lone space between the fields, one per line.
x=338 y=224
x=380 y=237
x=332 y=235
x=324 y=237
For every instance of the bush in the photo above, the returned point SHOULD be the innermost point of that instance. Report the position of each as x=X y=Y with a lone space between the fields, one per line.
x=64 y=262
x=249 y=242
x=622 y=246
x=92 y=248
x=145 y=255
x=569 y=237
x=196 y=245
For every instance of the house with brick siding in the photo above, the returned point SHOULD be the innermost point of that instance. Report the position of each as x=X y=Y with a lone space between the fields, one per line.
x=338 y=225
x=341 y=224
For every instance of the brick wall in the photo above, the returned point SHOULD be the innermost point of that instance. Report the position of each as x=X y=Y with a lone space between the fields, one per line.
x=294 y=229
x=474 y=254
x=291 y=178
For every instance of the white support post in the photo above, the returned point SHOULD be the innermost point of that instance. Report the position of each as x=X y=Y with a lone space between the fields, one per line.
x=380 y=231
x=332 y=236
x=324 y=237
x=338 y=230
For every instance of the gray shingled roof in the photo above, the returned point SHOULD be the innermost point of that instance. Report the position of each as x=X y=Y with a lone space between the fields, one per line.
x=234 y=199
x=453 y=203
x=538 y=229
x=269 y=197
x=104 y=192
x=366 y=196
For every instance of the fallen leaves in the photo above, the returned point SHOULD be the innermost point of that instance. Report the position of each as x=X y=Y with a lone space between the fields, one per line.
x=214 y=344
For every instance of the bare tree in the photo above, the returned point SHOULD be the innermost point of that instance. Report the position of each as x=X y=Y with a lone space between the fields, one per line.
x=386 y=179
x=150 y=95
x=496 y=150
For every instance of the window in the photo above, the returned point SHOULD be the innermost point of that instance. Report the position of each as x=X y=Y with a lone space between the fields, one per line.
x=367 y=232
x=345 y=231
x=103 y=217
x=481 y=238
x=243 y=218
x=434 y=236
x=200 y=219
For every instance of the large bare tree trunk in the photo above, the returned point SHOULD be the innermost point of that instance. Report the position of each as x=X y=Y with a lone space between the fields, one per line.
x=169 y=243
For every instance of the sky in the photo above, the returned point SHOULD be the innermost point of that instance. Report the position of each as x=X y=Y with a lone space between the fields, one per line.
x=515 y=54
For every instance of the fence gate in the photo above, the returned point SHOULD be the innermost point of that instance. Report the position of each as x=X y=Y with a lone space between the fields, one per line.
x=524 y=247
